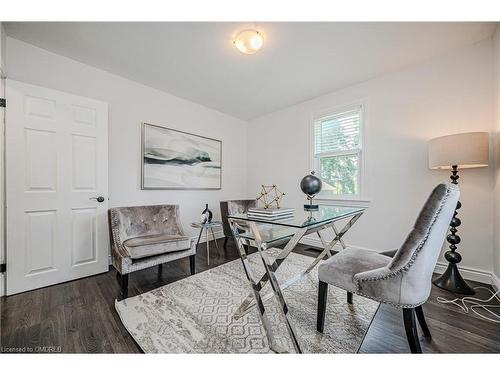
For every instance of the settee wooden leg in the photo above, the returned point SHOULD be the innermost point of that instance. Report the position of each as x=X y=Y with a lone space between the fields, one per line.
x=124 y=285
x=225 y=242
x=322 y=298
x=192 y=264
x=411 y=330
x=349 y=298
x=160 y=270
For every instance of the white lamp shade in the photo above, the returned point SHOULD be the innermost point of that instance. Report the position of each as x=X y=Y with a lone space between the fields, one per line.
x=466 y=150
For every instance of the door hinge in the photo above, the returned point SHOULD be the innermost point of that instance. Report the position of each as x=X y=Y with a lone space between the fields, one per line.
x=3 y=267
x=3 y=102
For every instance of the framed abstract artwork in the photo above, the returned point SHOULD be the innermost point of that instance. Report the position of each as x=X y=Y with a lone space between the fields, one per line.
x=172 y=159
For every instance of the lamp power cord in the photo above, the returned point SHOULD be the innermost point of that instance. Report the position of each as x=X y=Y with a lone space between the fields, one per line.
x=481 y=307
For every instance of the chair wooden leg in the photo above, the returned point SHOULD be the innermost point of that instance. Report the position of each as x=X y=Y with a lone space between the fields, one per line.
x=192 y=264
x=411 y=330
x=124 y=284
x=422 y=322
x=225 y=242
x=322 y=298
x=349 y=298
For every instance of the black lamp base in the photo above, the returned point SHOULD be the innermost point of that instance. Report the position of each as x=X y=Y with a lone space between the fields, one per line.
x=452 y=281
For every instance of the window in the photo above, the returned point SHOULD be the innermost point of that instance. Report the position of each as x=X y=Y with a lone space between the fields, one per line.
x=337 y=152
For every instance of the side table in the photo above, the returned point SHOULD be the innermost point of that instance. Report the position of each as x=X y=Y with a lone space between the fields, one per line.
x=207 y=226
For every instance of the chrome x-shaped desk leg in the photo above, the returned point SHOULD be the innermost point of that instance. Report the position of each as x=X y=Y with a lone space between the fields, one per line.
x=257 y=286
x=270 y=271
x=328 y=246
x=249 y=301
x=338 y=237
x=272 y=267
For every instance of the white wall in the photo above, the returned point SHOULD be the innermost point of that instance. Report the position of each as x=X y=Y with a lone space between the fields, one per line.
x=447 y=95
x=131 y=103
x=3 y=46
x=496 y=67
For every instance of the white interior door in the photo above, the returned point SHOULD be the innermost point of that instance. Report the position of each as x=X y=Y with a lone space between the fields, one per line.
x=56 y=164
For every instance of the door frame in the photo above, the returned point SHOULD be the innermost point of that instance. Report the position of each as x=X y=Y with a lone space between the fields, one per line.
x=3 y=200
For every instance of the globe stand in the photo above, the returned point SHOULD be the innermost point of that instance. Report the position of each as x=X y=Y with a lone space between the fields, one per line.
x=311 y=206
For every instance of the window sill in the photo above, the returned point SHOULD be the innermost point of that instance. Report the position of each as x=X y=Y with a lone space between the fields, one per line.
x=334 y=201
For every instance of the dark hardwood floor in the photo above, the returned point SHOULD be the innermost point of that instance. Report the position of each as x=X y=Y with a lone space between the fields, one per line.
x=80 y=317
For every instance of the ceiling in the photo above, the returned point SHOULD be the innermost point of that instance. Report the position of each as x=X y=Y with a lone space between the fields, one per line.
x=299 y=61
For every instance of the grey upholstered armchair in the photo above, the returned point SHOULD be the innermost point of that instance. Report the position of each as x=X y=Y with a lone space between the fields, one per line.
x=227 y=208
x=146 y=236
x=403 y=281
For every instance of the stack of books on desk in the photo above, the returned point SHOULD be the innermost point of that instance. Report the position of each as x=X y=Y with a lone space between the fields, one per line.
x=270 y=213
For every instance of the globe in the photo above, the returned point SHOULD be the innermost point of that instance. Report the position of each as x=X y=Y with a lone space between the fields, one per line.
x=310 y=185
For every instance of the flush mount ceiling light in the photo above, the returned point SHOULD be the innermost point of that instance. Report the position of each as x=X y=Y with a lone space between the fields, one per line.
x=249 y=41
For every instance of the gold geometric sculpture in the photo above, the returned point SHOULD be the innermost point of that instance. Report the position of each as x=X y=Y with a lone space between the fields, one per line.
x=270 y=196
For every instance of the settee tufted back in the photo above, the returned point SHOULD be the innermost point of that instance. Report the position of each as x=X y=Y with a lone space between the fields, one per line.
x=146 y=220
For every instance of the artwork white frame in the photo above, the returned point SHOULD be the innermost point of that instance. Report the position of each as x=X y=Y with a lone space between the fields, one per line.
x=209 y=184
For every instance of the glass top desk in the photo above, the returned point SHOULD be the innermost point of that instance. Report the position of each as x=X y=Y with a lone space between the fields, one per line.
x=262 y=232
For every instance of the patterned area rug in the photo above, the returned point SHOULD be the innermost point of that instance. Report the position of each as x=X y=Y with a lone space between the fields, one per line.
x=195 y=314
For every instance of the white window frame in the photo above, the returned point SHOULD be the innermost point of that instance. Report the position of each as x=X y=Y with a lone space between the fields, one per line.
x=342 y=199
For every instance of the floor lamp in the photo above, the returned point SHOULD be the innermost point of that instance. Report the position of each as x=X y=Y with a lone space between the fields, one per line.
x=456 y=152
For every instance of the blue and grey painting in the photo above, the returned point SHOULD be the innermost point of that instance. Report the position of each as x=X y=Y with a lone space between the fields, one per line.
x=178 y=160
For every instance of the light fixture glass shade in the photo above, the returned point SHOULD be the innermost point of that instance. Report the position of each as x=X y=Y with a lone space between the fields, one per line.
x=249 y=41
x=465 y=150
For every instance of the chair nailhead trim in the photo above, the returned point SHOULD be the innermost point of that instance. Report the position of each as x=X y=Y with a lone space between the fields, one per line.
x=405 y=267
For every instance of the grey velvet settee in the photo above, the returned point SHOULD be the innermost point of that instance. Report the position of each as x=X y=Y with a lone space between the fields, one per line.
x=146 y=236
x=403 y=281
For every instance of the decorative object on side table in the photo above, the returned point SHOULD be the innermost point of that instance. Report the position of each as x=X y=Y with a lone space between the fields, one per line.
x=455 y=152
x=207 y=226
x=270 y=196
x=206 y=215
x=172 y=159
x=311 y=185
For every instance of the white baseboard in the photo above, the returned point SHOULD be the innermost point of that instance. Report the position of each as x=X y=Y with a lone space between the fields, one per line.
x=496 y=282
x=468 y=273
x=2 y=284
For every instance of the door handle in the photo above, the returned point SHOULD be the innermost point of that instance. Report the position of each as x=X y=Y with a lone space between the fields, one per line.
x=100 y=199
